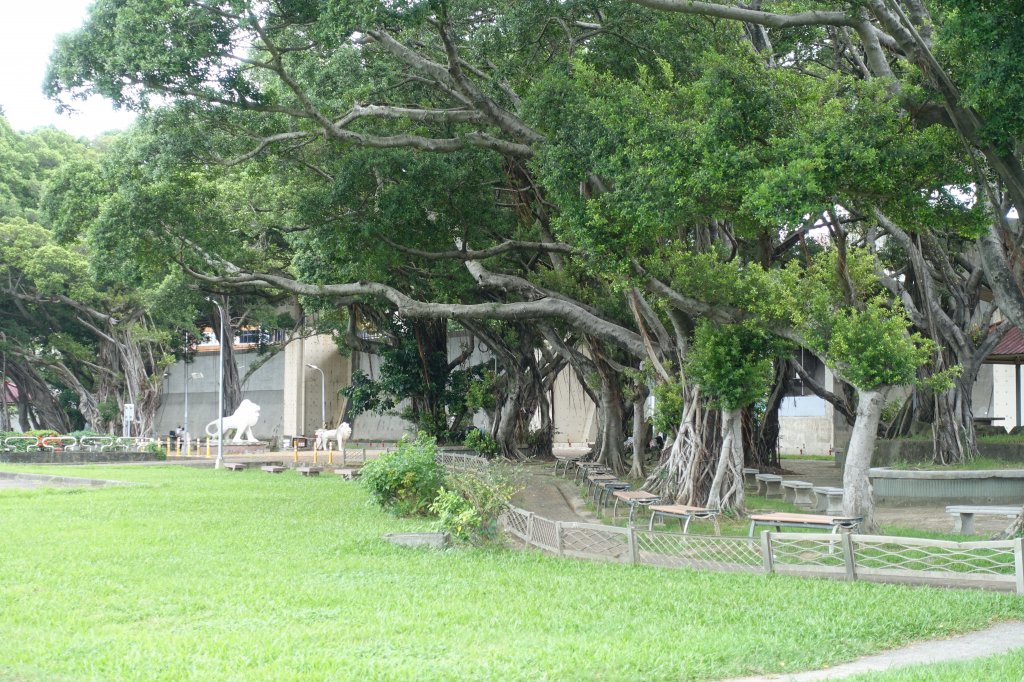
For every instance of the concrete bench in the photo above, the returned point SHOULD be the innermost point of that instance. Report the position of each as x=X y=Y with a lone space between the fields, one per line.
x=963 y=515
x=779 y=520
x=685 y=513
x=309 y=471
x=633 y=498
x=749 y=482
x=272 y=469
x=772 y=484
x=347 y=473
x=798 y=492
x=234 y=466
x=828 y=499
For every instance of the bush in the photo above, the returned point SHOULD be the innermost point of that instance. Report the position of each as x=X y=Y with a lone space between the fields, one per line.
x=482 y=442
x=471 y=502
x=406 y=480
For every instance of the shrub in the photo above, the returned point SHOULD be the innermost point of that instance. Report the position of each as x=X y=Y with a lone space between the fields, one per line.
x=158 y=451
x=406 y=480
x=482 y=442
x=471 y=502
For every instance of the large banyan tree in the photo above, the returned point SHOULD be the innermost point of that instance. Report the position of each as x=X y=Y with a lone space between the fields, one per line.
x=566 y=166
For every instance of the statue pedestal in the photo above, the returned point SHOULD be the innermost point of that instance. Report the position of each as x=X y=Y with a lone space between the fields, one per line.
x=256 y=448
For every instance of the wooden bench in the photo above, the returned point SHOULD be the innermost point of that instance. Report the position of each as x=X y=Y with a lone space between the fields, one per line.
x=604 y=488
x=784 y=519
x=798 y=492
x=634 y=498
x=309 y=471
x=772 y=484
x=272 y=469
x=963 y=514
x=565 y=460
x=749 y=482
x=347 y=473
x=588 y=468
x=828 y=500
x=685 y=513
x=235 y=466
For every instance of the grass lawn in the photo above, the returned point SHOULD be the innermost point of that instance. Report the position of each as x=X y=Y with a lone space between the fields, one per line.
x=214 y=575
x=1003 y=668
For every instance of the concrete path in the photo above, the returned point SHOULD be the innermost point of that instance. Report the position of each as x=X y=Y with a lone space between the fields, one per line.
x=552 y=497
x=997 y=639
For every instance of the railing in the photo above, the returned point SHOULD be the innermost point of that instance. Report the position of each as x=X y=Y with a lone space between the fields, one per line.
x=996 y=564
x=454 y=461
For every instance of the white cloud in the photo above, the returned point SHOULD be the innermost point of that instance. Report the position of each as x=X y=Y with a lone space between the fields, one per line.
x=27 y=34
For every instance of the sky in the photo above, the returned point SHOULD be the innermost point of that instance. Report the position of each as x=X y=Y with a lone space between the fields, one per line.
x=28 y=29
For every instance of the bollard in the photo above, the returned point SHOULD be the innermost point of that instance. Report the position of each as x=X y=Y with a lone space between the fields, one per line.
x=188 y=447
x=295 y=454
x=314 y=454
x=177 y=445
x=330 y=457
x=207 y=447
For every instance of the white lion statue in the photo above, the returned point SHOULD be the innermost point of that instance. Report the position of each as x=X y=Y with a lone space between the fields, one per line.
x=241 y=422
x=340 y=434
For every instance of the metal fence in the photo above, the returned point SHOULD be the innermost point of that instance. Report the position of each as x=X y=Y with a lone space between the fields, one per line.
x=995 y=564
x=455 y=461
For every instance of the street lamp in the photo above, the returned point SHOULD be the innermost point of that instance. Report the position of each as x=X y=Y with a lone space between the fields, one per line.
x=323 y=395
x=219 y=462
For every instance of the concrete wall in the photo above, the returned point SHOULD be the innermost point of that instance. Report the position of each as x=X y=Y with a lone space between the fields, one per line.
x=263 y=388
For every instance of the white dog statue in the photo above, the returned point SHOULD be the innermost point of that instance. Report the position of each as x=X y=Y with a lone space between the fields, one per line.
x=241 y=422
x=340 y=434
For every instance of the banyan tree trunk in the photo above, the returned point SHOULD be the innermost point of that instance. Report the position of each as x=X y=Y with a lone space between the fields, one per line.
x=857 y=495
x=610 y=414
x=640 y=432
x=727 y=486
x=685 y=474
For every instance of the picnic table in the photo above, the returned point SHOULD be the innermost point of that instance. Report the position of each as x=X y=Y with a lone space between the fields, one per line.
x=685 y=513
x=779 y=520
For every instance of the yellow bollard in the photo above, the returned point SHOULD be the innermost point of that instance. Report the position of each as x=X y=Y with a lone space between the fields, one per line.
x=207 y=447
x=177 y=447
x=314 y=454
x=295 y=454
x=168 y=448
x=330 y=457
x=188 y=447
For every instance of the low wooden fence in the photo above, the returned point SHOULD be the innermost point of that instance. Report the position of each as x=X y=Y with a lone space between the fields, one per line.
x=995 y=564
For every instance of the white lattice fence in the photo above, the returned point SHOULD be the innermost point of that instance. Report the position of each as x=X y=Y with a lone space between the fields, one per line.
x=998 y=563
x=994 y=565
x=453 y=461
x=699 y=551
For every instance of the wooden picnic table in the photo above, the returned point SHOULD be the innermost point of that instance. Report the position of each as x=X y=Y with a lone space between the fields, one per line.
x=685 y=513
x=779 y=520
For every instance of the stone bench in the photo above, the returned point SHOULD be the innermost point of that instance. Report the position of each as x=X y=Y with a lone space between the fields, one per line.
x=780 y=520
x=772 y=484
x=685 y=513
x=963 y=515
x=272 y=469
x=828 y=499
x=347 y=473
x=749 y=482
x=798 y=492
x=309 y=471
x=234 y=466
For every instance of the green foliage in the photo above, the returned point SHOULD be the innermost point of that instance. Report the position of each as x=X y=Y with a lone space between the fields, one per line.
x=482 y=442
x=472 y=500
x=407 y=479
x=732 y=363
x=668 y=406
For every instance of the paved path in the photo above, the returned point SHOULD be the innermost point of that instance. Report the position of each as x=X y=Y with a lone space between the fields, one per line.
x=994 y=640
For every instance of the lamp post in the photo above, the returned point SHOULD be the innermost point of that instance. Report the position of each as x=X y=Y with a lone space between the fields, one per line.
x=185 y=373
x=219 y=462
x=323 y=395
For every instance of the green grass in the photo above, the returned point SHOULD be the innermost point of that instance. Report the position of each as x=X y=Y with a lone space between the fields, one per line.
x=808 y=457
x=213 y=575
x=1002 y=668
x=977 y=463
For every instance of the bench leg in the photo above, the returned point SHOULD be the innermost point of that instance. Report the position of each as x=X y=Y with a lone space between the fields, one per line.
x=967 y=524
x=650 y=525
x=685 y=526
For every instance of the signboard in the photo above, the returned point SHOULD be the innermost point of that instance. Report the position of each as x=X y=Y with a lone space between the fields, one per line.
x=127 y=418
